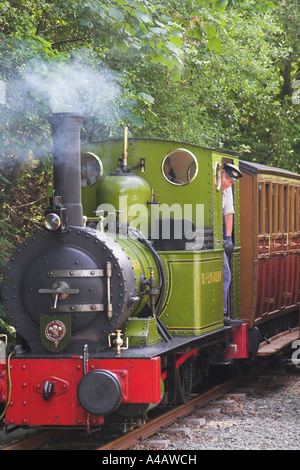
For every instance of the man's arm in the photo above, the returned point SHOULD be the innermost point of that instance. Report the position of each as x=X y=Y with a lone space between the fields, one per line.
x=228 y=221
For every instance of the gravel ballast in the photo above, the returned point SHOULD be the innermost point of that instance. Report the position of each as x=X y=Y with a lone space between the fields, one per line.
x=265 y=415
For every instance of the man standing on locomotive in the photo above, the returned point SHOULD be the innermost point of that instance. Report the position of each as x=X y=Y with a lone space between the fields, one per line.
x=230 y=174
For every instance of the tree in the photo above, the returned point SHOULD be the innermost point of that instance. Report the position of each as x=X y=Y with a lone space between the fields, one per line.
x=231 y=97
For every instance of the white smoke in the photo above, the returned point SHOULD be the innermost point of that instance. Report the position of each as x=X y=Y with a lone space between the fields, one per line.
x=44 y=87
x=72 y=86
x=2 y=92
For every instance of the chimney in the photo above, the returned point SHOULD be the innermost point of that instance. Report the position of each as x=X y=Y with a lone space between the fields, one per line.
x=66 y=163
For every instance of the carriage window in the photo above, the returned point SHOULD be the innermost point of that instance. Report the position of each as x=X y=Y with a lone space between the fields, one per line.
x=259 y=208
x=285 y=209
x=291 y=209
x=180 y=167
x=273 y=210
x=267 y=209
x=91 y=169
x=280 y=211
x=296 y=209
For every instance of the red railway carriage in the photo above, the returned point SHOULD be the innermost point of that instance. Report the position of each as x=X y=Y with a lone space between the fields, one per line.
x=270 y=254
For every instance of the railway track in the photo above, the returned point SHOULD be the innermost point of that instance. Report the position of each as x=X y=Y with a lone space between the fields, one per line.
x=63 y=439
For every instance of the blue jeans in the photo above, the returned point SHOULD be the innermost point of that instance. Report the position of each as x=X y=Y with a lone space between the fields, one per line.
x=227 y=280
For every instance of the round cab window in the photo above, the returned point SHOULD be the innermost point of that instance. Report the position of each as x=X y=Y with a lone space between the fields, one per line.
x=180 y=167
x=91 y=169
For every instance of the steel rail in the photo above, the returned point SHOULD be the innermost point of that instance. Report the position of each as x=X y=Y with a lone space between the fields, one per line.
x=34 y=442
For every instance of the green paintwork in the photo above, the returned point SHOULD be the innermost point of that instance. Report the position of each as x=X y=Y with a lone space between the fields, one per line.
x=141 y=258
x=194 y=298
x=141 y=332
x=194 y=301
x=198 y=191
x=129 y=194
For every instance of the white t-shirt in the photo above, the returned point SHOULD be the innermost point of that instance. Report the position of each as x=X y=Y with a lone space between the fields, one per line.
x=227 y=201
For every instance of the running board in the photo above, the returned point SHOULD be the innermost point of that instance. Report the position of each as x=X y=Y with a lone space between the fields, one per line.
x=278 y=342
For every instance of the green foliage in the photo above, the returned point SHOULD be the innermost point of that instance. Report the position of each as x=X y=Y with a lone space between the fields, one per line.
x=6 y=247
x=22 y=198
x=5 y=244
x=232 y=97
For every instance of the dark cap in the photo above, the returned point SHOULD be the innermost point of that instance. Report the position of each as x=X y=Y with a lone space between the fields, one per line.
x=232 y=171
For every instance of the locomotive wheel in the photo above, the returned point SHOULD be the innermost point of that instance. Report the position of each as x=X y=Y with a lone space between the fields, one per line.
x=184 y=381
